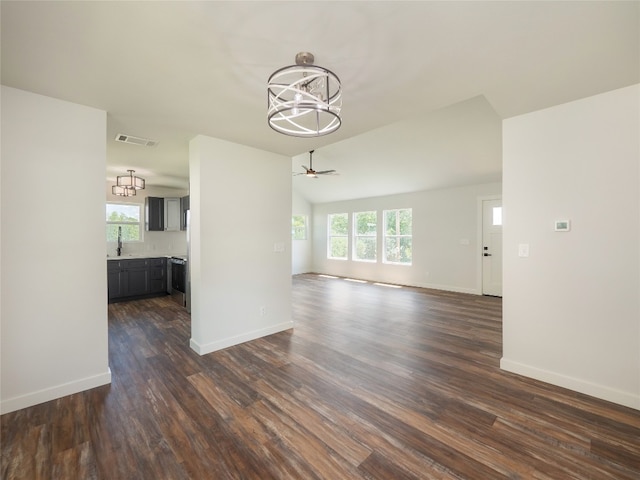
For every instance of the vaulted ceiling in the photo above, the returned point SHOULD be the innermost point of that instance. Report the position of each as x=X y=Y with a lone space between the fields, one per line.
x=425 y=84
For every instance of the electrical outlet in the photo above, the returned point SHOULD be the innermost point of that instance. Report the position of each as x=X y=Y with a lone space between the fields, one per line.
x=263 y=311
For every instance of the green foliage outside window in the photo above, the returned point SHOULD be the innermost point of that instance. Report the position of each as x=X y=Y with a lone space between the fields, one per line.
x=126 y=216
x=338 y=241
x=366 y=230
x=299 y=227
x=398 y=236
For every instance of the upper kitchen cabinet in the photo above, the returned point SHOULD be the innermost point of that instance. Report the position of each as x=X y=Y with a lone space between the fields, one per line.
x=172 y=214
x=154 y=214
x=184 y=208
x=162 y=214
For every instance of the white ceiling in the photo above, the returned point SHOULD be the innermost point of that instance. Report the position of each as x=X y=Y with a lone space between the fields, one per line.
x=425 y=84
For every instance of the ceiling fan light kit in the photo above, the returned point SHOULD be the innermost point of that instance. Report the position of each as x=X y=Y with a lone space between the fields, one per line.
x=304 y=100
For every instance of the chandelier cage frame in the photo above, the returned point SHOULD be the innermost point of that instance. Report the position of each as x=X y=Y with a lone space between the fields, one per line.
x=304 y=100
x=123 y=191
x=130 y=181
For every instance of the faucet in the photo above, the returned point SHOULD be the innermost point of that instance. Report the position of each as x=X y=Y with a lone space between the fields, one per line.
x=119 y=249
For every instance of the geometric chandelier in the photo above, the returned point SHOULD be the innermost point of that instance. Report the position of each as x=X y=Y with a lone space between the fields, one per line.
x=129 y=181
x=126 y=185
x=304 y=100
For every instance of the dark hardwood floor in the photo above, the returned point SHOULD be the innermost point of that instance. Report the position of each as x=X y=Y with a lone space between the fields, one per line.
x=373 y=382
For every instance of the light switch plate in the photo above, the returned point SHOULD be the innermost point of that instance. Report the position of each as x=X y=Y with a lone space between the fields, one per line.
x=523 y=250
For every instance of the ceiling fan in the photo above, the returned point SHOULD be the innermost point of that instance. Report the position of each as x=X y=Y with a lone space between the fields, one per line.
x=310 y=172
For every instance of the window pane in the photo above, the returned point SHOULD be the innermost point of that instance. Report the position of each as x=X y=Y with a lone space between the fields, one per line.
x=118 y=212
x=390 y=223
x=130 y=232
x=366 y=248
x=405 y=250
x=299 y=227
x=338 y=247
x=405 y=221
x=497 y=215
x=338 y=224
x=392 y=249
x=366 y=223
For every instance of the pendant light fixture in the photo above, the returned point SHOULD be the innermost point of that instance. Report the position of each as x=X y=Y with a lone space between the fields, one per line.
x=123 y=191
x=304 y=100
x=129 y=181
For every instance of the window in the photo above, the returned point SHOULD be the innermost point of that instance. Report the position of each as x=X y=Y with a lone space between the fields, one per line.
x=365 y=230
x=127 y=216
x=497 y=216
x=299 y=227
x=397 y=236
x=338 y=238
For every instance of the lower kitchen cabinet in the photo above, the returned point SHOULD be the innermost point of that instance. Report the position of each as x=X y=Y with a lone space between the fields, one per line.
x=136 y=278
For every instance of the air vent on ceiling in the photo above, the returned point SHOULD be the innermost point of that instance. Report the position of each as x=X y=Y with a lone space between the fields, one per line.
x=135 y=140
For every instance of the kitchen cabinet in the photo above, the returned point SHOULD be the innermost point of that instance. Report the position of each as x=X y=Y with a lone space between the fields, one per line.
x=154 y=214
x=162 y=214
x=172 y=214
x=136 y=278
x=184 y=208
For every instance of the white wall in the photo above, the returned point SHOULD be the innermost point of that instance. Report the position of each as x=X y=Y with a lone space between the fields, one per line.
x=571 y=309
x=240 y=243
x=443 y=220
x=54 y=279
x=153 y=243
x=301 y=249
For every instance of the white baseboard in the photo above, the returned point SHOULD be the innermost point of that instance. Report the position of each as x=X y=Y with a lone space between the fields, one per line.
x=52 y=393
x=449 y=288
x=603 y=392
x=235 y=340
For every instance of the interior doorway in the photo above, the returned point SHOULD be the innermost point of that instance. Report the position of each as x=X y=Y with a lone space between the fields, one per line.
x=492 y=247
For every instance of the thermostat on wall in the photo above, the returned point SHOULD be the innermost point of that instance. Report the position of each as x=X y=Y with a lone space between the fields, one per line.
x=563 y=225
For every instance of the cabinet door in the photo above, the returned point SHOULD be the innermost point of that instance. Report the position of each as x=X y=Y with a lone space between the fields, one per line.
x=184 y=208
x=154 y=214
x=114 y=284
x=157 y=270
x=137 y=278
x=172 y=214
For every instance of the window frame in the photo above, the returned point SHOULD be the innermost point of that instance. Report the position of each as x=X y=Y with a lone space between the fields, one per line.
x=357 y=236
x=396 y=236
x=331 y=236
x=140 y=222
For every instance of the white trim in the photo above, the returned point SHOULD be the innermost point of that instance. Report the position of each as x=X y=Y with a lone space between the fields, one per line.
x=245 y=337
x=52 y=393
x=628 y=399
x=479 y=227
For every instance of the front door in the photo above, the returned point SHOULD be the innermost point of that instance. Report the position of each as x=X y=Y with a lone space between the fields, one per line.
x=492 y=247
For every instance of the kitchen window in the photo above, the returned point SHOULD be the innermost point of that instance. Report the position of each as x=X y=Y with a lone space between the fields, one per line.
x=398 y=236
x=338 y=238
x=365 y=231
x=128 y=216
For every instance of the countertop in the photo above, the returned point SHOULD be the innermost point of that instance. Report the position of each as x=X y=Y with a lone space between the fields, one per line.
x=134 y=256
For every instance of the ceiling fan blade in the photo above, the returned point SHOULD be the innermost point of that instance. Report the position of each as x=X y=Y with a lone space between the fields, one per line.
x=305 y=167
x=325 y=172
